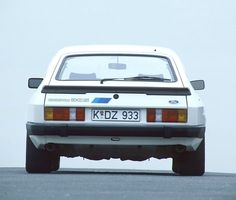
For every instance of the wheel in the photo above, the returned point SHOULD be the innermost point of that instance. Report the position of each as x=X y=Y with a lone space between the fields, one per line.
x=38 y=160
x=55 y=163
x=190 y=163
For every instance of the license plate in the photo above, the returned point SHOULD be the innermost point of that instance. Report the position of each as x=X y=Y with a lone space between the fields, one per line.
x=115 y=115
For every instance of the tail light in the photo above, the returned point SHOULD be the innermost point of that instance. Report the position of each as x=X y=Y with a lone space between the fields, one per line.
x=167 y=115
x=64 y=114
x=151 y=115
x=80 y=114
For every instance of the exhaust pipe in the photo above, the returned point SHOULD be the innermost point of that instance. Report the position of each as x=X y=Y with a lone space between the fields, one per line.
x=50 y=147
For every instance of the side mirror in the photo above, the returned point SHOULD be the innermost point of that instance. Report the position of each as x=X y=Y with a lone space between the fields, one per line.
x=198 y=84
x=34 y=82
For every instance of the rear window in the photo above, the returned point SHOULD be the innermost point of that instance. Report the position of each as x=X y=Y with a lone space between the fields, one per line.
x=98 y=67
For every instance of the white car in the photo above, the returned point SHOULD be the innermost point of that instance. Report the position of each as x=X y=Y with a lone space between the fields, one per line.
x=126 y=102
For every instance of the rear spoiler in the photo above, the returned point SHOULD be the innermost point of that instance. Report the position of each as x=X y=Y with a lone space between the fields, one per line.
x=107 y=89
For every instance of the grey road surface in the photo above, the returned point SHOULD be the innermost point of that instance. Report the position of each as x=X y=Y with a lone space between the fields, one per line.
x=94 y=184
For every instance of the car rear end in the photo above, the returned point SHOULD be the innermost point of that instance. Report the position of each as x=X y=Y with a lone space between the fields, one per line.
x=128 y=105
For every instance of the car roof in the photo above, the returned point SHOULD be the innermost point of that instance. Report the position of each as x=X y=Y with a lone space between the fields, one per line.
x=110 y=49
x=116 y=49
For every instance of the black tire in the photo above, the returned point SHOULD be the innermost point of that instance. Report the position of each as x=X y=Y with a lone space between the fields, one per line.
x=39 y=160
x=55 y=163
x=190 y=163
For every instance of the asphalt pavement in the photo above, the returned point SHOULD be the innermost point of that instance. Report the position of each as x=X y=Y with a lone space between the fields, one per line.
x=99 y=184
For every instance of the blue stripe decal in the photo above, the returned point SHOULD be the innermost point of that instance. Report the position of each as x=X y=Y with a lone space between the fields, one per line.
x=101 y=100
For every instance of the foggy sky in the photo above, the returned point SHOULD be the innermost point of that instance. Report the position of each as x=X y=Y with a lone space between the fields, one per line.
x=201 y=32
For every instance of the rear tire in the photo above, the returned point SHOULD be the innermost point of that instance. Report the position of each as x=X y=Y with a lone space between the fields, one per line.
x=190 y=163
x=55 y=163
x=39 y=160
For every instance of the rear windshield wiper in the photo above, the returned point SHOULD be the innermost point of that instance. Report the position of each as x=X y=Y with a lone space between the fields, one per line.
x=111 y=79
x=146 y=78
x=137 y=78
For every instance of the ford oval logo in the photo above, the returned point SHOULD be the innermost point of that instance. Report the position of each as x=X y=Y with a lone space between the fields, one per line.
x=173 y=101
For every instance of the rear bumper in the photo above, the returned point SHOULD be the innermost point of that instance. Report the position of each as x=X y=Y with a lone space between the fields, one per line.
x=191 y=144
x=130 y=140
x=65 y=130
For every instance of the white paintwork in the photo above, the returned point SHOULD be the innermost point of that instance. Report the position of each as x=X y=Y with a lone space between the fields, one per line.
x=193 y=103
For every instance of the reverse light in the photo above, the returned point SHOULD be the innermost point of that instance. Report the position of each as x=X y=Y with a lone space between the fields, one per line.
x=167 y=115
x=64 y=114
